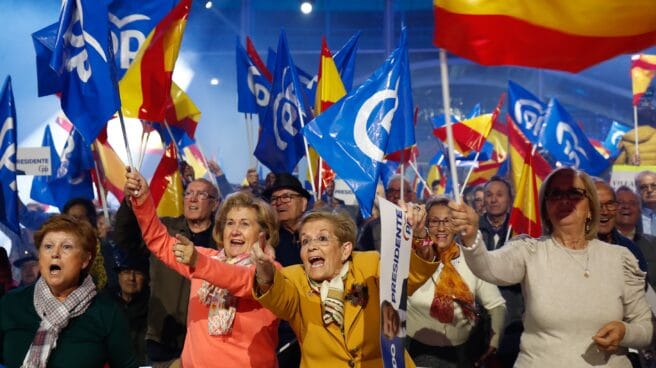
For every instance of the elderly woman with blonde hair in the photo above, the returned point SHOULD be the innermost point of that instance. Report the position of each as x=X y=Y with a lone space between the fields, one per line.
x=585 y=299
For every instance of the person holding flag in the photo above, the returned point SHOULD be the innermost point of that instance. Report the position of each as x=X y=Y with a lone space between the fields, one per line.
x=585 y=299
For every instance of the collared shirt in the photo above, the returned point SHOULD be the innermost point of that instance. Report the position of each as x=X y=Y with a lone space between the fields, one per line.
x=648 y=221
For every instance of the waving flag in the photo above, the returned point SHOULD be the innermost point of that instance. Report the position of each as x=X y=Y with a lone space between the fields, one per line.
x=166 y=185
x=565 y=142
x=469 y=135
x=82 y=57
x=146 y=86
x=345 y=60
x=614 y=137
x=40 y=184
x=354 y=134
x=48 y=81
x=253 y=83
x=527 y=111
x=183 y=116
x=529 y=169
x=73 y=178
x=111 y=167
x=8 y=158
x=643 y=69
x=557 y=34
x=280 y=145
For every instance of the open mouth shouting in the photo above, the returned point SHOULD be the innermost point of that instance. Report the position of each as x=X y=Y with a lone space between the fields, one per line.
x=316 y=261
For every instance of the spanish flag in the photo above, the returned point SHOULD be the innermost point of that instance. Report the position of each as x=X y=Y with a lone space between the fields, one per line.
x=329 y=90
x=166 y=185
x=146 y=86
x=529 y=169
x=643 y=69
x=469 y=135
x=568 y=35
x=111 y=167
x=182 y=112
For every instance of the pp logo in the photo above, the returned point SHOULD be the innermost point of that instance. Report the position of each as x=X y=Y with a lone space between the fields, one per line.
x=259 y=90
x=285 y=111
x=566 y=137
x=62 y=171
x=79 y=40
x=8 y=159
x=360 y=132
x=130 y=39
x=530 y=114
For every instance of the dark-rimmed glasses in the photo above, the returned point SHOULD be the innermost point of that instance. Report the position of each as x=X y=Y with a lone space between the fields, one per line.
x=201 y=195
x=284 y=198
x=572 y=194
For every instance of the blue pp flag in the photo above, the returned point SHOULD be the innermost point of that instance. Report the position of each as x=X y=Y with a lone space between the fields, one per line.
x=527 y=111
x=564 y=140
x=280 y=145
x=308 y=82
x=615 y=134
x=353 y=134
x=8 y=158
x=40 y=184
x=83 y=60
x=253 y=89
x=73 y=177
x=345 y=60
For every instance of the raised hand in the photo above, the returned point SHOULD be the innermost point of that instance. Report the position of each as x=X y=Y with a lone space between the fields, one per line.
x=184 y=251
x=263 y=257
x=135 y=185
x=465 y=222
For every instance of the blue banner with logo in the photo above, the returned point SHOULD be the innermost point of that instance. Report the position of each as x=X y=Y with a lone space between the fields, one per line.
x=565 y=142
x=615 y=134
x=8 y=186
x=40 y=184
x=527 y=111
x=73 y=177
x=253 y=89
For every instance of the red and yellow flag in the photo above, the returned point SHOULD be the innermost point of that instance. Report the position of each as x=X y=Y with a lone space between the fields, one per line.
x=557 y=34
x=329 y=90
x=111 y=167
x=182 y=112
x=146 y=86
x=528 y=170
x=643 y=69
x=166 y=185
x=468 y=135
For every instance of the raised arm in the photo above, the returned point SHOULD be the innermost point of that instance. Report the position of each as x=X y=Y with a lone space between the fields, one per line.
x=154 y=233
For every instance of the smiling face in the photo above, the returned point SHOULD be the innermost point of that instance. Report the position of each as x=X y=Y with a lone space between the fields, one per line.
x=289 y=206
x=195 y=208
x=608 y=208
x=566 y=202
x=61 y=261
x=322 y=253
x=628 y=211
x=241 y=231
x=439 y=227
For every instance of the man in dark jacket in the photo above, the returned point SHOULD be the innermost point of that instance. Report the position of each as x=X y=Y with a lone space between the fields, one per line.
x=169 y=292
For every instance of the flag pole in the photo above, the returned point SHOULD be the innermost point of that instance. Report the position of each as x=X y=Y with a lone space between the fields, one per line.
x=320 y=176
x=249 y=137
x=636 y=158
x=446 y=100
x=421 y=179
x=471 y=169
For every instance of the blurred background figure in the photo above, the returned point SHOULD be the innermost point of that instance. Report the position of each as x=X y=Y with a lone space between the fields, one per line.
x=28 y=265
x=645 y=183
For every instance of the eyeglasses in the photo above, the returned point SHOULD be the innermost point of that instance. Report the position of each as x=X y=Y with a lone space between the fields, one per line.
x=322 y=240
x=572 y=194
x=646 y=187
x=435 y=223
x=283 y=198
x=201 y=196
x=609 y=206
x=627 y=203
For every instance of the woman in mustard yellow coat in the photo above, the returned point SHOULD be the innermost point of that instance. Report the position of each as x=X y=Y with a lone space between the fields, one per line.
x=332 y=299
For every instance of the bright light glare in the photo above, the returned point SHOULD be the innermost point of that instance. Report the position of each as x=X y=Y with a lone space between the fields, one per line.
x=306 y=7
x=214 y=81
x=208 y=5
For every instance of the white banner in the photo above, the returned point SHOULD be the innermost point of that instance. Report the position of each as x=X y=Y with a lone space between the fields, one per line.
x=625 y=175
x=396 y=244
x=33 y=161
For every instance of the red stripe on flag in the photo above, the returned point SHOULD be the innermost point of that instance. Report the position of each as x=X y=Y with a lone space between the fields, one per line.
x=167 y=166
x=504 y=40
x=257 y=60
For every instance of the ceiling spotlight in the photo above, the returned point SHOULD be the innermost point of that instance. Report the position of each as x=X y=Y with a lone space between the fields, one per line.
x=214 y=81
x=306 y=7
x=208 y=5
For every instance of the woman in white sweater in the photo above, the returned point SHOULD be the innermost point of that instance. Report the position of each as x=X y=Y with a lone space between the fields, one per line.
x=585 y=300
x=442 y=313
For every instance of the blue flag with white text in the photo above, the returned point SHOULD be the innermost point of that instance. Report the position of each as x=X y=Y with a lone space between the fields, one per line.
x=83 y=60
x=73 y=177
x=253 y=89
x=615 y=134
x=280 y=145
x=527 y=111
x=565 y=142
x=40 y=184
x=8 y=158
x=353 y=134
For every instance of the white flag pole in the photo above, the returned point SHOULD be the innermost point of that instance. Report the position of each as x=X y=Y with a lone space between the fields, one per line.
x=446 y=100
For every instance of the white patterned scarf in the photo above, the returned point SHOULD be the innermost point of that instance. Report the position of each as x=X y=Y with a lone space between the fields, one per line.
x=222 y=304
x=54 y=316
x=332 y=296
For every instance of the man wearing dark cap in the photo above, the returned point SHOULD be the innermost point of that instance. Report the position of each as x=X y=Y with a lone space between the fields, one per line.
x=29 y=269
x=290 y=200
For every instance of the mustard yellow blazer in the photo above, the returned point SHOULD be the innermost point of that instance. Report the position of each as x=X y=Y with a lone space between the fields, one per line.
x=358 y=345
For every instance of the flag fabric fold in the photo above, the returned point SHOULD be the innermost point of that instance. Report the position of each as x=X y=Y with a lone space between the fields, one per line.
x=643 y=69
x=527 y=111
x=40 y=191
x=557 y=34
x=8 y=217
x=82 y=57
x=253 y=81
x=111 y=167
x=166 y=185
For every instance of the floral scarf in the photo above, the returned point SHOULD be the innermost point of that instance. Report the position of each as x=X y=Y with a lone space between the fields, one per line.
x=222 y=304
x=450 y=288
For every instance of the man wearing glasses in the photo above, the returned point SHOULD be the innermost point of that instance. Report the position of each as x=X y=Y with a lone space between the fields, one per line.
x=289 y=200
x=645 y=183
x=167 y=305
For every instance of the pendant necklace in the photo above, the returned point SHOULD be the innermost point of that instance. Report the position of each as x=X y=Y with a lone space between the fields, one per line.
x=586 y=270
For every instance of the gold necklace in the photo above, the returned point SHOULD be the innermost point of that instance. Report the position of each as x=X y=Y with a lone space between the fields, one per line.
x=586 y=270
